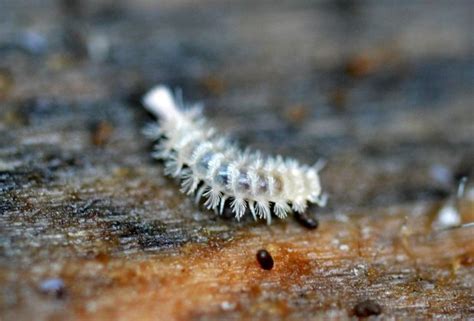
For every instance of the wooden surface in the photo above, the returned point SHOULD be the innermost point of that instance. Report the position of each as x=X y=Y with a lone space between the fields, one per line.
x=90 y=229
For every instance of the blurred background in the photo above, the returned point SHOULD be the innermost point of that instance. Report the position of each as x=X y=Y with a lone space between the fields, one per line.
x=387 y=82
x=382 y=90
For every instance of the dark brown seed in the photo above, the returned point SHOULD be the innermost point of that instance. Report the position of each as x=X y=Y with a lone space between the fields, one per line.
x=265 y=259
x=367 y=308
x=306 y=221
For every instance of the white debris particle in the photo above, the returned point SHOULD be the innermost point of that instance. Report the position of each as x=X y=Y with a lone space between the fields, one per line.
x=366 y=231
x=341 y=217
x=400 y=258
x=227 y=306
x=344 y=247
x=448 y=216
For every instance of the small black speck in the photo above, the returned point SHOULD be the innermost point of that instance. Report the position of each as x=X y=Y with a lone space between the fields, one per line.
x=306 y=221
x=265 y=259
x=367 y=308
x=54 y=287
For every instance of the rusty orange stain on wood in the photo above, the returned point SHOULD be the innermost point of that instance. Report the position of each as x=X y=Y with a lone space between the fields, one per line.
x=226 y=278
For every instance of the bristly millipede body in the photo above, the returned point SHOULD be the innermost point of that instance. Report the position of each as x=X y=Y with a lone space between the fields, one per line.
x=210 y=166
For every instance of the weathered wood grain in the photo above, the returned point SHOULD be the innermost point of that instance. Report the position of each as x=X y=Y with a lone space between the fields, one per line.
x=90 y=229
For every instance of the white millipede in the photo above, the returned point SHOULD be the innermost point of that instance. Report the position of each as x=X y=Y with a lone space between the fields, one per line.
x=208 y=165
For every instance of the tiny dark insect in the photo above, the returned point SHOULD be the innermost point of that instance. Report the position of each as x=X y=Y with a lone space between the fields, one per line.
x=307 y=221
x=367 y=308
x=265 y=259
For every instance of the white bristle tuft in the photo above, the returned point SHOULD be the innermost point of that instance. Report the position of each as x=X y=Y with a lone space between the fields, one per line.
x=161 y=103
